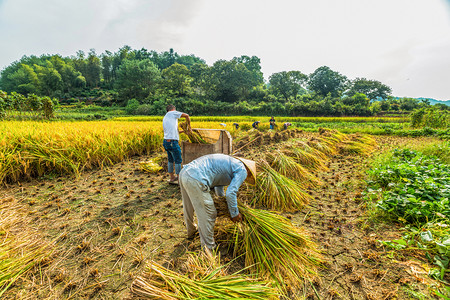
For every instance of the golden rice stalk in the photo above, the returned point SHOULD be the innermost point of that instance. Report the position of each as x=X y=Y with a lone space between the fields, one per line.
x=357 y=144
x=322 y=145
x=273 y=247
x=308 y=159
x=287 y=166
x=205 y=278
x=278 y=192
x=307 y=148
x=151 y=166
x=194 y=137
x=332 y=134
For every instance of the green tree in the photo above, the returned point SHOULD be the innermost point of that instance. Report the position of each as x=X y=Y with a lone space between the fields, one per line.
x=107 y=59
x=93 y=69
x=137 y=79
x=371 y=88
x=50 y=81
x=287 y=84
x=324 y=81
x=24 y=80
x=176 y=80
x=230 y=81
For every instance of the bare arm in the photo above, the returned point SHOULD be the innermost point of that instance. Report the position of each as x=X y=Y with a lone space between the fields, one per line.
x=188 y=121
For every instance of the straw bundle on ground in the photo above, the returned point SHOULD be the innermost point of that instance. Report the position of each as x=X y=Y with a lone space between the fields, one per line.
x=308 y=149
x=332 y=134
x=324 y=146
x=287 y=166
x=20 y=250
x=357 y=144
x=204 y=279
x=194 y=137
x=309 y=160
x=273 y=247
x=278 y=192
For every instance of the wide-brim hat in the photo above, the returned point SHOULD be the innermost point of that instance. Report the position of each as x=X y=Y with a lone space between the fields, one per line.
x=250 y=165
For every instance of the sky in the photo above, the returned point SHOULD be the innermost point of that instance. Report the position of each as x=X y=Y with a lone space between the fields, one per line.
x=405 y=44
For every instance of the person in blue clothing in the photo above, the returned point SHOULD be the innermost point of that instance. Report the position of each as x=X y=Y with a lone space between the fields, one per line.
x=171 y=138
x=256 y=124
x=272 y=123
x=197 y=179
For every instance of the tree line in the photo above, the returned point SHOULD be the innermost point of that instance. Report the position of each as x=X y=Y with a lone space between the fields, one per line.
x=145 y=81
x=18 y=105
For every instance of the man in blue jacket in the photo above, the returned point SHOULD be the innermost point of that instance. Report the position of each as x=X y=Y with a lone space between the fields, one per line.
x=197 y=179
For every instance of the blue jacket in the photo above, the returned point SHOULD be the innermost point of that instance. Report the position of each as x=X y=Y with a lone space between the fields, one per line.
x=219 y=170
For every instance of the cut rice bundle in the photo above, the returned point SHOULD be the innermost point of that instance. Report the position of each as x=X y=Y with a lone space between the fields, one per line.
x=308 y=159
x=273 y=247
x=194 y=137
x=287 y=166
x=278 y=192
x=205 y=278
x=322 y=145
x=357 y=144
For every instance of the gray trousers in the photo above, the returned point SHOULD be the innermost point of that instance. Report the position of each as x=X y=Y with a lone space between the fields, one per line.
x=196 y=197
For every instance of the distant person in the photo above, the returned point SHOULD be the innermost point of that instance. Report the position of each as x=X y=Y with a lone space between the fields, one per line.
x=272 y=123
x=286 y=125
x=171 y=138
x=236 y=125
x=256 y=124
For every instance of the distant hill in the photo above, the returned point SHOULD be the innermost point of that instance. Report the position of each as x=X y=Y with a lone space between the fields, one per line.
x=433 y=101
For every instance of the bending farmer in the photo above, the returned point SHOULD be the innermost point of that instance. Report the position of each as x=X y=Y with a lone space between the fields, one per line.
x=171 y=138
x=201 y=175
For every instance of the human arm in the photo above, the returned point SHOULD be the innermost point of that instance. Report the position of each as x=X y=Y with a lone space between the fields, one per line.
x=238 y=178
x=188 y=121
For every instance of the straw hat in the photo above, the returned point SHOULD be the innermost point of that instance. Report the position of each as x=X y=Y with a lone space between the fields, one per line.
x=250 y=165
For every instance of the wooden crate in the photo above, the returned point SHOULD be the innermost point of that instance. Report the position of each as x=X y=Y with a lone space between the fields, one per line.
x=219 y=140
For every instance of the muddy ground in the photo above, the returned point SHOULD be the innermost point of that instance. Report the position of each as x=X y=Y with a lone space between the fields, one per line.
x=108 y=223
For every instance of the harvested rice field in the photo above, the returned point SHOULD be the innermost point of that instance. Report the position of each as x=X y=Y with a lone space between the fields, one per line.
x=117 y=232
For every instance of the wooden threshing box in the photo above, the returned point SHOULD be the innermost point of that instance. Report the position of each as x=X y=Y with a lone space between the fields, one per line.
x=219 y=142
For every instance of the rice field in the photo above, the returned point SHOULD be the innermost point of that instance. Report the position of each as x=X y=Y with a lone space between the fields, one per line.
x=119 y=233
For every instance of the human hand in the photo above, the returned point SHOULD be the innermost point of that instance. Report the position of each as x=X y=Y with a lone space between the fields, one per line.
x=237 y=218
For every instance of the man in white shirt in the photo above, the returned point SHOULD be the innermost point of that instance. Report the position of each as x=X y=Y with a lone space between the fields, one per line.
x=171 y=138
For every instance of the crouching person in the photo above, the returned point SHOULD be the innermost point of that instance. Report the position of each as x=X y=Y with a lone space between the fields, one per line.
x=201 y=175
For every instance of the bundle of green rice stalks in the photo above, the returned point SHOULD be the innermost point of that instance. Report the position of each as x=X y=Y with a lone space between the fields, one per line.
x=278 y=192
x=20 y=250
x=287 y=166
x=194 y=137
x=204 y=278
x=357 y=144
x=308 y=159
x=273 y=248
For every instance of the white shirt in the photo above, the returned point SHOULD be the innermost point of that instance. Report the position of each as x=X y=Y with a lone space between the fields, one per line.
x=170 y=125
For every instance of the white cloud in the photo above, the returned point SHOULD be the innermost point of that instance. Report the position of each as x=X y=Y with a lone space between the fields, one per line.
x=403 y=43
